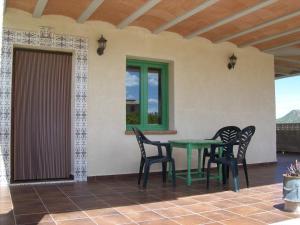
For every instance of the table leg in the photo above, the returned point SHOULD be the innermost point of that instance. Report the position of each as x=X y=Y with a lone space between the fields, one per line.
x=220 y=175
x=189 y=162
x=200 y=162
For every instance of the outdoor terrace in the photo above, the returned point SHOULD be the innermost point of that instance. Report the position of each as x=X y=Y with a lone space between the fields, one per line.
x=121 y=201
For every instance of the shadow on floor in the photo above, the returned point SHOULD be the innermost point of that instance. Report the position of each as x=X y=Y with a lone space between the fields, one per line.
x=121 y=201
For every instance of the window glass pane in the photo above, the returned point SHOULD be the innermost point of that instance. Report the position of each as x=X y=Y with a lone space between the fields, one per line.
x=154 y=96
x=133 y=76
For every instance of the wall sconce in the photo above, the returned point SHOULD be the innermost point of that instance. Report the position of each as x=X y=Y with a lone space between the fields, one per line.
x=102 y=45
x=232 y=62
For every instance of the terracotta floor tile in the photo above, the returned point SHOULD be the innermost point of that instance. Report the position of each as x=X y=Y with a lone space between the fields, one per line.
x=61 y=207
x=159 y=222
x=68 y=215
x=158 y=205
x=207 y=198
x=245 y=200
x=228 y=195
x=184 y=201
x=100 y=212
x=7 y=219
x=29 y=208
x=51 y=194
x=55 y=200
x=112 y=219
x=220 y=215
x=245 y=210
x=191 y=220
x=213 y=223
x=242 y=221
x=78 y=193
x=5 y=207
x=33 y=218
x=24 y=196
x=173 y=211
x=269 y=217
x=284 y=213
x=130 y=208
x=5 y=198
x=264 y=206
x=223 y=204
x=76 y=222
x=90 y=204
x=201 y=207
x=144 y=216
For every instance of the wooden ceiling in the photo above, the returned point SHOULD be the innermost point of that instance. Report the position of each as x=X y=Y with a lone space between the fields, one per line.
x=269 y=25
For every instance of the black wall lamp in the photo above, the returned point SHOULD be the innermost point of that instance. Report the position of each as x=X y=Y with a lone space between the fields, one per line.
x=102 y=45
x=232 y=62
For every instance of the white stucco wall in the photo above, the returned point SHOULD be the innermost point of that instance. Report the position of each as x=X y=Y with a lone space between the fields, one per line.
x=207 y=95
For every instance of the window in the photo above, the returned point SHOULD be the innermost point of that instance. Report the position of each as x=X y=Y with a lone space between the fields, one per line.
x=146 y=95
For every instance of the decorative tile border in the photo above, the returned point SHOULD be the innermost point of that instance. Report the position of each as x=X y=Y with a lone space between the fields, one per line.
x=45 y=39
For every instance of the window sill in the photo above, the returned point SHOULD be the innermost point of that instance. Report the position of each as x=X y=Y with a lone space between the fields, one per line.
x=153 y=132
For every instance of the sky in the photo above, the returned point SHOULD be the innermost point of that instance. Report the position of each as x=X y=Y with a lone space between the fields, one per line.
x=287 y=92
x=133 y=89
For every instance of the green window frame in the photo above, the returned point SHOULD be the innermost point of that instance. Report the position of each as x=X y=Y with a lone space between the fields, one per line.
x=144 y=66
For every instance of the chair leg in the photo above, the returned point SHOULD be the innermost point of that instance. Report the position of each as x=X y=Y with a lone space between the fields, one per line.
x=164 y=171
x=235 y=175
x=141 y=170
x=146 y=174
x=246 y=172
x=208 y=174
x=205 y=154
x=224 y=173
x=173 y=173
x=227 y=172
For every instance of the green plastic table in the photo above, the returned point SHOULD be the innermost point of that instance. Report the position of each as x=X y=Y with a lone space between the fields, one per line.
x=199 y=145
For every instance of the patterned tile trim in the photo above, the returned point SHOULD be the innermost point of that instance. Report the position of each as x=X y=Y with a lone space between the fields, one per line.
x=45 y=39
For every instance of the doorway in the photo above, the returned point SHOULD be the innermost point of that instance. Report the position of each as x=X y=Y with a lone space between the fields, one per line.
x=41 y=115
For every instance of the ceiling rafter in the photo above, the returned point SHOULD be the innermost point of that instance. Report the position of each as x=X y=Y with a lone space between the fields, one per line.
x=92 y=7
x=288 y=67
x=271 y=37
x=39 y=8
x=231 y=18
x=142 y=10
x=288 y=60
x=282 y=46
x=260 y=26
x=186 y=15
x=281 y=75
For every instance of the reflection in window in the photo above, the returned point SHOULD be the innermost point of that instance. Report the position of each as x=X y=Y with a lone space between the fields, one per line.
x=133 y=95
x=154 y=96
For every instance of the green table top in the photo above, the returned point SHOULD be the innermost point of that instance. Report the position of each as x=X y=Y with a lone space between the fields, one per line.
x=193 y=142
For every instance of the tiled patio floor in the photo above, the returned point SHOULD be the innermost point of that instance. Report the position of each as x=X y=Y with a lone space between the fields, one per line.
x=122 y=202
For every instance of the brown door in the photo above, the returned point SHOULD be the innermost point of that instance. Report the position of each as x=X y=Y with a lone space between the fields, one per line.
x=41 y=115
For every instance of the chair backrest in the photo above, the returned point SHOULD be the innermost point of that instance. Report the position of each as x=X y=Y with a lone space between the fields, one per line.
x=141 y=139
x=227 y=134
x=244 y=140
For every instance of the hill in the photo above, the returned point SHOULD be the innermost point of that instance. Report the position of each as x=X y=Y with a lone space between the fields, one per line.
x=292 y=117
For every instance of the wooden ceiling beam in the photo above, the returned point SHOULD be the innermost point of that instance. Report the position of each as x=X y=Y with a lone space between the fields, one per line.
x=288 y=67
x=288 y=60
x=281 y=75
x=282 y=46
x=260 y=26
x=92 y=7
x=231 y=18
x=39 y=8
x=186 y=15
x=271 y=37
x=142 y=10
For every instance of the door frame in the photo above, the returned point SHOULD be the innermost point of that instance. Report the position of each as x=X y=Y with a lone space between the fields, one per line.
x=46 y=39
